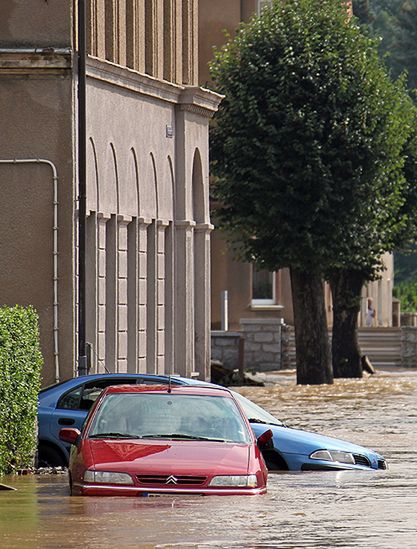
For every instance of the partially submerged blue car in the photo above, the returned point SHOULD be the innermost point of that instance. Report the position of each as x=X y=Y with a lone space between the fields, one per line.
x=67 y=404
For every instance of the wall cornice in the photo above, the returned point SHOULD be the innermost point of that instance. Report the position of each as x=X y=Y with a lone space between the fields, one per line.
x=53 y=61
x=126 y=78
x=200 y=101
x=193 y=99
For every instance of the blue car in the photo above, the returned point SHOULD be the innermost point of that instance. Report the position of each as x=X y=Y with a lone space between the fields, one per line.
x=297 y=450
x=67 y=404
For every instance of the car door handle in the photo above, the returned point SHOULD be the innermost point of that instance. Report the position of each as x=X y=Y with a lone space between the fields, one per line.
x=66 y=421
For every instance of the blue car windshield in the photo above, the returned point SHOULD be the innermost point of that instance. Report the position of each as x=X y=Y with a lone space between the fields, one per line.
x=255 y=413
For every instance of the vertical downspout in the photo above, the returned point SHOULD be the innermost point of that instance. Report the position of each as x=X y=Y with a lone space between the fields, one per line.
x=55 y=249
x=82 y=192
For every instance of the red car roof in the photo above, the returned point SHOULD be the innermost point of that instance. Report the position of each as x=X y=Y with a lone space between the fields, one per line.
x=183 y=390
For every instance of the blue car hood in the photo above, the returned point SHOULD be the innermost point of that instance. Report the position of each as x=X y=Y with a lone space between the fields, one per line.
x=296 y=441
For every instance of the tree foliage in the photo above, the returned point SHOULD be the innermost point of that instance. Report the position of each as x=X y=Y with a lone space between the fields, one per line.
x=309 y=150
x=406 y=292
x=307 y=146
x=395 y=22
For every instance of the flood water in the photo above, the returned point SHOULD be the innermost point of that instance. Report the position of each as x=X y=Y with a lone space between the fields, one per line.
x=301 y=510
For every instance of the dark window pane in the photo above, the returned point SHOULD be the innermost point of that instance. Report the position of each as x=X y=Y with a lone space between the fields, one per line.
x=71 y=400
x=262 y=285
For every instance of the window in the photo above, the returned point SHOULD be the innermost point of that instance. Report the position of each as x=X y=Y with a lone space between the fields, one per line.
x=170 y=416
x=262 y=4
x=263 y=287
x=84 y=396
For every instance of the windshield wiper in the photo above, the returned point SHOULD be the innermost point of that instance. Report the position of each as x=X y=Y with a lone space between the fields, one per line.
x=260 y=421
x=183 y=436
x=113 y=435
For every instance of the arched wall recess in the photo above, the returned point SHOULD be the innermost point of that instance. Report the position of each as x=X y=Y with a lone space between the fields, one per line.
x=92 y=177
x=148 y=190
x=129 y=185
x=109 y=182
x=198 y=191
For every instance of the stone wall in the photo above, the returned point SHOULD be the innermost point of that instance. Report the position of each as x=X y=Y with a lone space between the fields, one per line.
x=409 y=347
x=262 y=343
x=225 y=348
x=409 y=319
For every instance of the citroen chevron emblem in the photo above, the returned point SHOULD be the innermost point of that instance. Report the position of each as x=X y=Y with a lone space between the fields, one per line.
x=171 y=480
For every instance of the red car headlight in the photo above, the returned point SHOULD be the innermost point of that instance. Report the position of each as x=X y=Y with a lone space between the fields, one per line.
x=238 y=481
x=107 y=477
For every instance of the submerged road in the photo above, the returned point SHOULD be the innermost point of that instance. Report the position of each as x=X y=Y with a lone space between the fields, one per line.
x=301 y=510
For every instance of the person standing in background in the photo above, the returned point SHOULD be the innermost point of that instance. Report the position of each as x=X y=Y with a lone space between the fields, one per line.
x=370 y=313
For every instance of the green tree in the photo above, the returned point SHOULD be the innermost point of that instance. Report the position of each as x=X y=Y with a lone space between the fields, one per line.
x=393 y=227
x=405 y=41
x=306 y=151
x=407 y=294
x=395 y=22
x=362 y=10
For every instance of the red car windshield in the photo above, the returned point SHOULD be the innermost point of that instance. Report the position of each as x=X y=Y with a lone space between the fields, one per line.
x=168 y=415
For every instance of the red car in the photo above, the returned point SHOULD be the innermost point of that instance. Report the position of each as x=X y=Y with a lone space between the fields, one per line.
x=146 y=440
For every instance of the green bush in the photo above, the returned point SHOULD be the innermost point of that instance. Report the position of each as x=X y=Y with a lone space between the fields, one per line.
x=20 y=374
x=406 y=292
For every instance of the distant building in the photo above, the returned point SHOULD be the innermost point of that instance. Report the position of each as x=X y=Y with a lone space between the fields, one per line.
x=148 y=225
x=259 y=299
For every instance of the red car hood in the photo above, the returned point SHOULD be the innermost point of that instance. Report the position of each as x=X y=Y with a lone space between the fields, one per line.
x=170 y=457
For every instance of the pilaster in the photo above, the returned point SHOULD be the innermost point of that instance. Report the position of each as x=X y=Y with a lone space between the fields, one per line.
x=161 y=226
x=111 y=294
x=142 y=250
x=132 y=295
x=122 y=292
x=152 y=300
x=184 y=297
x=170 y=286
x=202 y=299
x=102 y=220
x=92 y=281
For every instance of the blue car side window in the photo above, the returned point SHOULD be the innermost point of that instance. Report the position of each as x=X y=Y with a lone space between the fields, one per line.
x=71 y=400
x=84 y=396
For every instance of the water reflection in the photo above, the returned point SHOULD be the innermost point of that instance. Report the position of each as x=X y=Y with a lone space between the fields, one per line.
x=312 y=510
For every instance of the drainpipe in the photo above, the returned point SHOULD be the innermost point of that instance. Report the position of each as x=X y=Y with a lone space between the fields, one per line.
x=55 y=249
x=82 y=189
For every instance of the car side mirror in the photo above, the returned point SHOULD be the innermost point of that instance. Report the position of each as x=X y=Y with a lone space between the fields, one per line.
x=265 y=439
x=69 y=434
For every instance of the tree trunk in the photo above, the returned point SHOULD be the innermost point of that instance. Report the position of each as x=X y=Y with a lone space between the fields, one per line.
x=346 y=289
x=311 y=336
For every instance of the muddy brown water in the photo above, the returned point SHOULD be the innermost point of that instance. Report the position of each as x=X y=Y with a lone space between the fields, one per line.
x=300 y=510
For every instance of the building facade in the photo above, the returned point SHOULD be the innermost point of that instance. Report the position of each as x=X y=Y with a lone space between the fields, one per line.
x=148 y=225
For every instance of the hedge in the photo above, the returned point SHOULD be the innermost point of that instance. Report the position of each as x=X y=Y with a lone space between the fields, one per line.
x=20 y=374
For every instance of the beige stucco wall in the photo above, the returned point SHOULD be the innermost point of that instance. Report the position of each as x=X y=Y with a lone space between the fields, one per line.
x=215 y=17
x=37 y=122
x=156 y=183
x=148 y=227
x=36 y=23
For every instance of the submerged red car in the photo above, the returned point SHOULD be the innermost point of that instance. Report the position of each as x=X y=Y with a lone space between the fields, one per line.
x=147 y=440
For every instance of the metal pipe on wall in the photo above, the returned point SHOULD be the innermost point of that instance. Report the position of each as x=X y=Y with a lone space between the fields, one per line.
x=55 y=249
x=224 y=297
x=82 y=188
